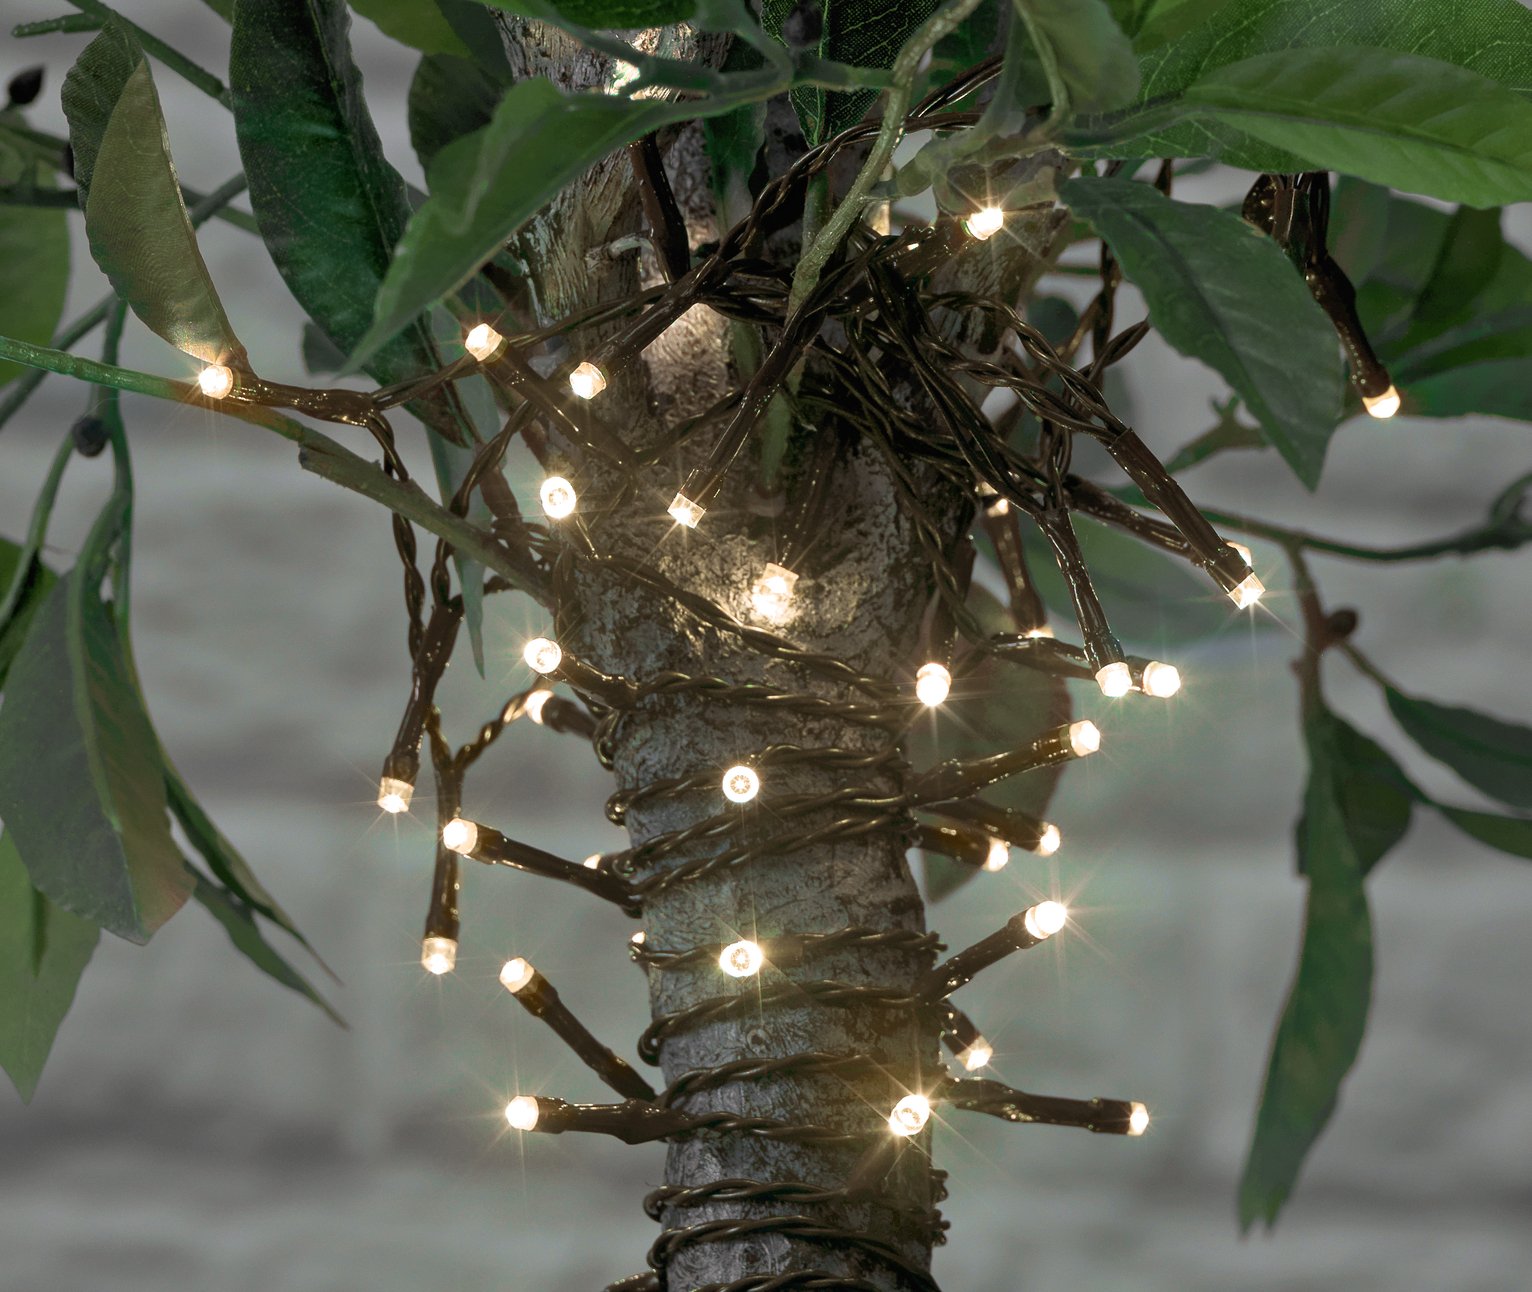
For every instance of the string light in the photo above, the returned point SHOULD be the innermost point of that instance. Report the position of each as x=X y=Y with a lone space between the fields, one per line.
x=742 y=959
x=522 y=1113
x=1042 y=630
x=516 y=974
x=593 y=862
x=772 y=592
x=394 y=794
x=1247 y=592
x=685 y=512
x=1115 y=680
x=984 y=223
x=997 y=857
x=741 y=784
x=1048 y=841
x=558 y=497
x=460 y=836
x=534 y=705
x=542 y=655
x=1084 y=737
x=216 y=381
x=1138 y=1118
x=910 y=1115
x=933 y=683
x=587 y=381
x=976 y=1056
x=1245 y=553
x=1161 y=680
x=483 y=342
x=1382 y=407
x=438 y=955
x=1045 y=919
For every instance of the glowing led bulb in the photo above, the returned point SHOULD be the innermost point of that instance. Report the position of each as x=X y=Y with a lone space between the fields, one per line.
x=933 y=683
x=1045 y=919
x=772 y=592
x=742 y=959
x=522 y=1113
x=1048 y=841
x=1084 y=737
x=999 y=853
x=685 y=512
x=1245 y=554
x=438 y=955
x=639 y=938
x=542 y=655
x=394 y=795
x=535 y=703
x=1247 y=592
x=1161 y=680
x=985 y=223
x=593 y=862
x=910 y=1115
x=558 y=497
x=1380 y=406
x=1115 y=680
x=460 y=836
x=976 y=1055
x=215 y=381
x=741 y=784
x=515 y=974
x=483 y=342
x=1138 y=1118
x=587 y=381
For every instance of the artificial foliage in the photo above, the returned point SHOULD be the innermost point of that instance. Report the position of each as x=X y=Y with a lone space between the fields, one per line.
x=779 y=528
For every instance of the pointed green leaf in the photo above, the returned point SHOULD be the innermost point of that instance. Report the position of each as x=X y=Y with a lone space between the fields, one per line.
x=420 y=24
x=449 y=98
x=1321 y=1028
x=135 y=217
x=1489 y=754
x=1510 y=834
x=39 y=580
x=1411 y=123
x=43 y=951
x=1094 y=59
x=34 y=270
x=1220 y=292
x=1374 y=795
x=81 y=787
x=239 y=923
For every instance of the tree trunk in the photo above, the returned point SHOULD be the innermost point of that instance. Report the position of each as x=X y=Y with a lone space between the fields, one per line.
x=864 y=589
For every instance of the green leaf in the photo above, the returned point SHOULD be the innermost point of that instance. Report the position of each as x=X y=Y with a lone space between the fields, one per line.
x=43 y=951
x=1374 y=795
x=1491 y=755
x=449 y=98
x=1466 y=263
x=135 y=216
x=1163 y=21
x=240 y=925
x=1510 y=834
x=1397 y=119
x=1490 y=37
x=34 y=271
x=604 y=15
x=1093 y=59
x=1220 y=292
x=420 y=24
x=1321 y=1028
x=1479 y=366
x=81 y=787
x=863 y=33
x=39 y=580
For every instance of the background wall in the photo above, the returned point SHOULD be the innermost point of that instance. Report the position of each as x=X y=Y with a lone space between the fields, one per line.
x=200 y=1129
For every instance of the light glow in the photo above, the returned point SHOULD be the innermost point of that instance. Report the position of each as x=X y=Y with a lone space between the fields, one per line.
x=1045 y=919
x=741 y=784
x=438 y=955
x=1042 y=630
x=1382 y=407
x=215 y=381
x=542 y=655
x=976 y=1056
x=522 y=1113
x=1084 y=737
x=535 y=703
x=1138 y=1118
x=685 y=512
x=394 y=795
x=1048 y=841
x=1245 y=554
x=460 y=836
x=985 y=223
x=1115 y=680
x=558 y=497
x=516 y=974
x=772 y=592
x=587 y=381
x=483 y=342
x=1247 y=592
x=910 y=1115
x=742 y=959
x=1161 y=680
x=593 y=862
x=933 y=683
x=997 y=857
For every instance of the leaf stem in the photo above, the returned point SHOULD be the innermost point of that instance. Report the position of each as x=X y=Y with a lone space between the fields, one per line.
x=176 y=61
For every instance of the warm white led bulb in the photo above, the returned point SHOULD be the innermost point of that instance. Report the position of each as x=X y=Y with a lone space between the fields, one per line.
x=639 y=938
x=1115 y=680
x=976 y=1055
x=535 y=703
x=999 y=853
x=587 y=380
x=1042 y=630
x=772 y=592
x=1247 y=592
x=910 y=1115
x=1084 y=737
x=1161 y=680
x=933 y=683
x=558 y=497
x=1380 y=406
x=985 y=223
x=1245 y=553
x=1138 y=1118
x=515 y=974
x=438 y=955
x=522 y=1113
x=742 y=959
x=1045 y=919
x=215 y=381
x=1048 y=841
x=542 y=655
x=593 y=862
x=741 y=784
x=685 y=512
x=460 y=836
x=394 y=795
x=483 y=342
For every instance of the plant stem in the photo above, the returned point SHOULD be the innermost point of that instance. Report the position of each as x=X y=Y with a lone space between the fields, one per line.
x=176 y=61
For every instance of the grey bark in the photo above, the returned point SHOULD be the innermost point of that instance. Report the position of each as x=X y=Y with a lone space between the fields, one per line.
x=863 y=591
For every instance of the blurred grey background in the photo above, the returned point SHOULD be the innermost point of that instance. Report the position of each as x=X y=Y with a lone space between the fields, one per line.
x=199 y=1129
